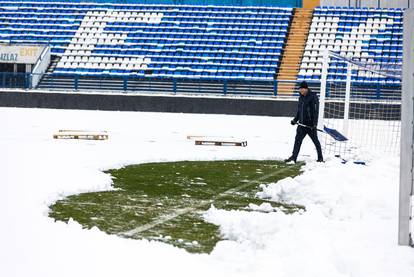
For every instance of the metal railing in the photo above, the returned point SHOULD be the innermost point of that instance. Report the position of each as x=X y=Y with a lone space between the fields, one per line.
x=159 y=85
x=15 y=80
x=164 y=85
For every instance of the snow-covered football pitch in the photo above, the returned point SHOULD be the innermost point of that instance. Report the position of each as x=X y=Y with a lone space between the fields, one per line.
x=349 y=227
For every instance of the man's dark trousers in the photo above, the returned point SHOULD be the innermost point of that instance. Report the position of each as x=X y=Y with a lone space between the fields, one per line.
x=301 y=132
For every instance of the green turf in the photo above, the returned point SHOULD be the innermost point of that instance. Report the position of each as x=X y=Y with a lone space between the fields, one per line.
x=164 y=201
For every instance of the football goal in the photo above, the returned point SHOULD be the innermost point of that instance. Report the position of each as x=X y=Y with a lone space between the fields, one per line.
x=371 y=103
x=360 y=98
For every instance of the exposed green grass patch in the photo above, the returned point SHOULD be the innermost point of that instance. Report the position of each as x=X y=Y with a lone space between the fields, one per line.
x=164 y=201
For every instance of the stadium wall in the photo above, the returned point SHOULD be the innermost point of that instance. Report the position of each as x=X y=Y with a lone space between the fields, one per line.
x=146 y=103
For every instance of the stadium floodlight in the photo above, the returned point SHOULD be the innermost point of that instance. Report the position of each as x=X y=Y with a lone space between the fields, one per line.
x=406 y=204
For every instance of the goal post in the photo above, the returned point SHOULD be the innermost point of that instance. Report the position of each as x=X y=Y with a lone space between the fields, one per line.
x=406 y=201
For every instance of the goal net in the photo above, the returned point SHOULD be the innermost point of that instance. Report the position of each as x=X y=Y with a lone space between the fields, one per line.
x=360 y=99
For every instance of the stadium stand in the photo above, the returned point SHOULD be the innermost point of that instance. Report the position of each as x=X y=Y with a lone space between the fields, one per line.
x=229 y=48
x=368 y=36
x=152 y=40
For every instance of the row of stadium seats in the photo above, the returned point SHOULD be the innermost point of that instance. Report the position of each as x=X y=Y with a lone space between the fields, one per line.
x=44 y=5
x=361 y=34
x=283 y=21
x=175 y=73
x=172 y=59
x=363 y=11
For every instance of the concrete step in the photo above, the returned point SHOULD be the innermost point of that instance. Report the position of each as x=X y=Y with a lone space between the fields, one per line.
x=300 y=30
x=295 y=45
x=285 y=88
x=300 y=27
x=287 y=77
x=291 y=65
x=290 y=60
x=296 y=40
x=297 y=37
x=285 y=85
x=291 y=56
x=301 y=22
x=291 y=50
x=288 y=69
x=294 y=48
x=282 y=74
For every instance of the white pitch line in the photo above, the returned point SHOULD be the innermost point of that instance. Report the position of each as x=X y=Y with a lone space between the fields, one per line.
x=162 y=219
x=167 y=217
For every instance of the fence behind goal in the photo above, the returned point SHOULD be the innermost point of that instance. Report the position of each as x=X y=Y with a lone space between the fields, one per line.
x=367 y=113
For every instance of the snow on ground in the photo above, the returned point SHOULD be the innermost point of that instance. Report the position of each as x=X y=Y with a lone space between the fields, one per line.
x=349 y=227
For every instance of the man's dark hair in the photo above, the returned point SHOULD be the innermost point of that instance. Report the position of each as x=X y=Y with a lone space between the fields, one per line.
x=303 y=84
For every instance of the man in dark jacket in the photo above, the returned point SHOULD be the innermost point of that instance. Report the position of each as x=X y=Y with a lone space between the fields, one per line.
x=307 y=117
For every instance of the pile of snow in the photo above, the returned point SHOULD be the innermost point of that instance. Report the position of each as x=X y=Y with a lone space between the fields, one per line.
x=349 y=227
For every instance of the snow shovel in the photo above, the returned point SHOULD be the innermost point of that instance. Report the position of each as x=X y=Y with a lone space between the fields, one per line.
x=335 y=134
